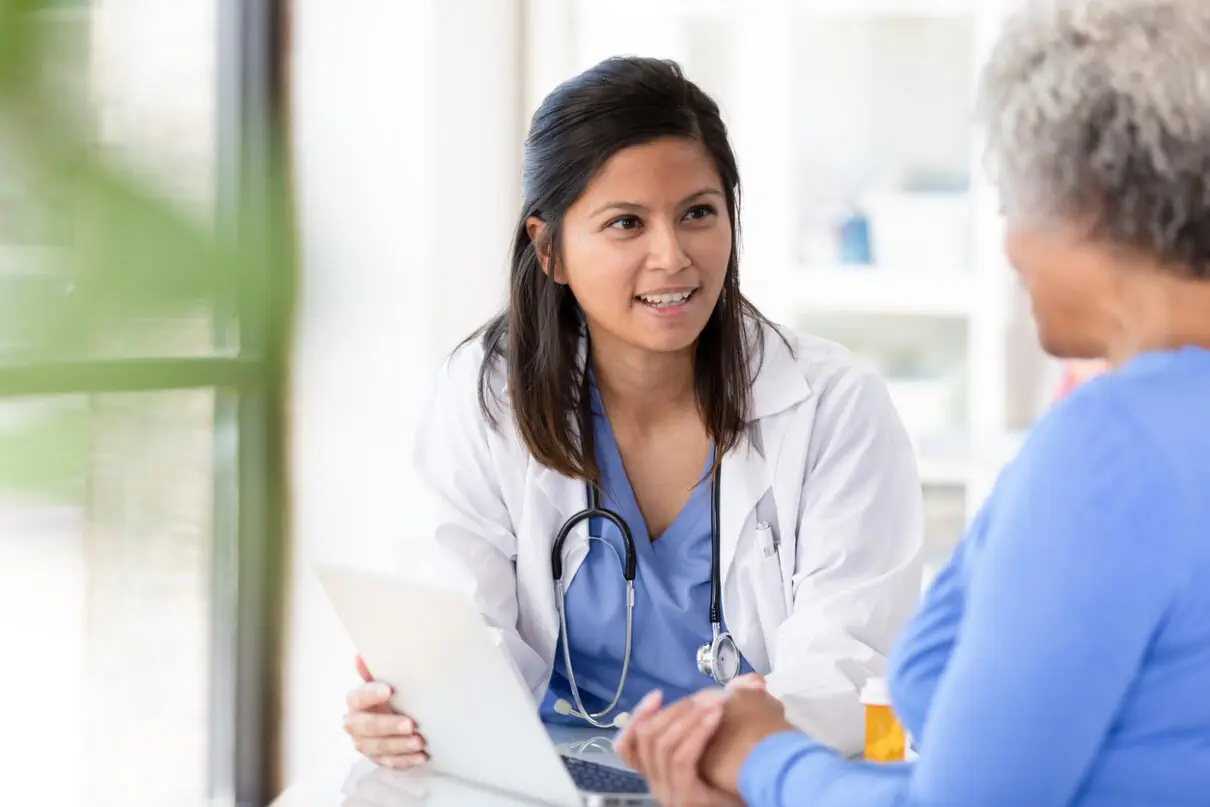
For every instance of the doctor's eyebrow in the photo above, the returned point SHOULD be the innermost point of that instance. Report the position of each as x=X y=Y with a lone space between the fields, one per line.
x=637 y=208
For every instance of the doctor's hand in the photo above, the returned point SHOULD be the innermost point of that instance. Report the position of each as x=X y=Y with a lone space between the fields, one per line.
x=386 y=738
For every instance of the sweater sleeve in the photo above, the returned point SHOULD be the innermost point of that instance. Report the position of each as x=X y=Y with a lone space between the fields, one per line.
x=1070 y=581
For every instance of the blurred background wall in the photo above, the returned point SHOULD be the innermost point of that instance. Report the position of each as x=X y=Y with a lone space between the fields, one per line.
x=407 y=155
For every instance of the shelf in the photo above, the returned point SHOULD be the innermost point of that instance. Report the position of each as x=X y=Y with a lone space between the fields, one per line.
x=871 y=290
x=667 y=9
x=945 y=459
x=866 y=9
x=825 y=9
x=949 y=460
x=944 y=471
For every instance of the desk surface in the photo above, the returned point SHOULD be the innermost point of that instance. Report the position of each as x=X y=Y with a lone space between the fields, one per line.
x=348 y=780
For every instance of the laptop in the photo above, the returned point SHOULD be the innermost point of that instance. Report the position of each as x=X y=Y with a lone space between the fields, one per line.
x=478 y=718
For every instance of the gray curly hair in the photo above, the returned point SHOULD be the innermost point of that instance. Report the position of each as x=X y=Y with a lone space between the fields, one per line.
x=1100 y=110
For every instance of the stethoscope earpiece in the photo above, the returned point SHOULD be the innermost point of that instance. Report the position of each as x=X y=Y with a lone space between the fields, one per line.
x=563 y=707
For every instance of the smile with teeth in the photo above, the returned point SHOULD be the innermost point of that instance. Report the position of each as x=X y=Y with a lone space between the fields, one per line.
x=666 y=300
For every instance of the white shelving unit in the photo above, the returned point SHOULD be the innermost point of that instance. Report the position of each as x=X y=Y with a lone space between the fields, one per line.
x=825 y=9
x=835 y=108
x=870 y=290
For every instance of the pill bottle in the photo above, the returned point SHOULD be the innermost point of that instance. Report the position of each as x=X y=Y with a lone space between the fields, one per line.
x=885 y=739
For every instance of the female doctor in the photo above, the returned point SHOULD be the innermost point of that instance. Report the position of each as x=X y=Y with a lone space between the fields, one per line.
x=650 y=485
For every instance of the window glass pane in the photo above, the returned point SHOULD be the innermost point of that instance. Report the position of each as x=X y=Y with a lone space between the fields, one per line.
x=152 y=86
x=88 y=267
x=106 y=543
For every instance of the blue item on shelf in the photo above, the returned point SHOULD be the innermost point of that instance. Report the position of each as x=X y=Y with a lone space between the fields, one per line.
x=855 y=240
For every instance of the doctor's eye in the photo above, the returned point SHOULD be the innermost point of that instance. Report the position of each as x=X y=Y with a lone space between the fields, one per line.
x=624 y=223
x=700 y=212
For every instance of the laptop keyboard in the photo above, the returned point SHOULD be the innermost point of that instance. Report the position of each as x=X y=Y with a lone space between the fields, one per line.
x=594 y=778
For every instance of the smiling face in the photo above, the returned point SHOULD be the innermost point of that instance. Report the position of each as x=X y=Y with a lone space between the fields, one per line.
x=645 y=248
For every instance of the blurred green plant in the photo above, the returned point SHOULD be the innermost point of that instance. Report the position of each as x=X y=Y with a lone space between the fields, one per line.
x=46 y=452
x=137 y=297
x=131 y=255
x=132 y=262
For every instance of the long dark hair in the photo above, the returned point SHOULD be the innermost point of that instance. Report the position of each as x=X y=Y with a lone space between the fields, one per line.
x=620 y=102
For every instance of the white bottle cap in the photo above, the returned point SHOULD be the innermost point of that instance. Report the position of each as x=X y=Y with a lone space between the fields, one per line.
x=875 y=692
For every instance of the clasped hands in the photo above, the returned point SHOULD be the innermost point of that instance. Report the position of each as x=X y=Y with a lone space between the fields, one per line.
x=691 y=752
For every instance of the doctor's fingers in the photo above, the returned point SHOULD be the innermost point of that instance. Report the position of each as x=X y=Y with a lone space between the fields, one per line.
x=372 y=696
x=384 y=749
x=372 y=724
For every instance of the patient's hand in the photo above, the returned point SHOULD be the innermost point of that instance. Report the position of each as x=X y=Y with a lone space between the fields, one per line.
x=385 y=737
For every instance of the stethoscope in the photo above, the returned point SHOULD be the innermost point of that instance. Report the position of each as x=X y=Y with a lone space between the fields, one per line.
x=718 y=659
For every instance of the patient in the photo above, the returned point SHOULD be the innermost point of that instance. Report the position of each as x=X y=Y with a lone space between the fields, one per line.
x=1063 y=656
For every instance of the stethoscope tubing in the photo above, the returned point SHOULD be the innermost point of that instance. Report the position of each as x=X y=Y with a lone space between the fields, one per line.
x=629 y=573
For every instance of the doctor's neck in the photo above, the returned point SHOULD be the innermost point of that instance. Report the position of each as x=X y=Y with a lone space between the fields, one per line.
x=644 y=387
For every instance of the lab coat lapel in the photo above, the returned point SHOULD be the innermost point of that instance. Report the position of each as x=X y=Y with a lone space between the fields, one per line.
x=748 y=469
x=745 y=478
x=566 y=496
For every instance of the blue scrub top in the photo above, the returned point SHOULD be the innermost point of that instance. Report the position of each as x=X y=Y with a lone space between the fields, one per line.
x=672 y=598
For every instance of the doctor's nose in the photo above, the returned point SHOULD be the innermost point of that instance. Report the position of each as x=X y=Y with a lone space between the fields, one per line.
x=665 y=250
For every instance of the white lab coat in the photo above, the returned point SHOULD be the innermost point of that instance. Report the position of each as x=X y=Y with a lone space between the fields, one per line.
x=826 y=461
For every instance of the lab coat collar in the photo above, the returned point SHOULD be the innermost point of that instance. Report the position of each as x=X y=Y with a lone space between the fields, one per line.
x=779 y=383
x=747 y=474
x=746 y=469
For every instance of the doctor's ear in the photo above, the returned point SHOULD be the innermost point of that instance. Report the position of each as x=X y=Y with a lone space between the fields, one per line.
x=539 y=235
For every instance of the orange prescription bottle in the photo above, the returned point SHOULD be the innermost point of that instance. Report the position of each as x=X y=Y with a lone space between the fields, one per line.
x=885 y=739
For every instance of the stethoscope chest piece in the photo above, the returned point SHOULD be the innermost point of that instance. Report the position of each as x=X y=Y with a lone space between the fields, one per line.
x=720 y=659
